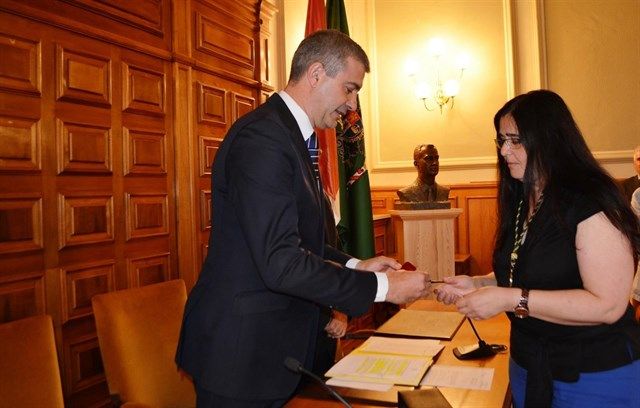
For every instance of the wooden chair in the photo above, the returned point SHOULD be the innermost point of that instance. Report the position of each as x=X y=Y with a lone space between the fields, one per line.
x=138 y=332
x=29 y=371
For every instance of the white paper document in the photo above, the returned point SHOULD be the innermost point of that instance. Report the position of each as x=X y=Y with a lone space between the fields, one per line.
x=384 y=368
x=473 y=378
x=387 y=360
x=414 y=347
x=359 y=385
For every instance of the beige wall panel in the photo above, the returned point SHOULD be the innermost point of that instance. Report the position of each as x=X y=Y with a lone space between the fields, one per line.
x=465 y=131
x=395 y=121
x=589 y=50
x=593 y=55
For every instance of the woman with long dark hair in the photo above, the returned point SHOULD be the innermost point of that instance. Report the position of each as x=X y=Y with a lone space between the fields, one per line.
x=565 y=254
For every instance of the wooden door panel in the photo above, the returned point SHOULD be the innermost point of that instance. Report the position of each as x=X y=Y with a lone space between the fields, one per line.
x=150 y=269
x=22 y=62
x=83 y=76
x=143 y=89
x=21 y=147
x=211 y=104
x=481 y=230
x=224 y=37
x=20 y=223
x=88 y=151
x=21 y=295
x=80 y=282
x=86 y=197
x=83 y=148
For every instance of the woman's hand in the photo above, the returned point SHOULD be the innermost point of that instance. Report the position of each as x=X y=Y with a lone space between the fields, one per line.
x=454 y=288
x=488 y=301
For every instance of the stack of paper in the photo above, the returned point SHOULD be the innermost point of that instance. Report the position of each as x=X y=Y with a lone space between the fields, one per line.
x=388 y=361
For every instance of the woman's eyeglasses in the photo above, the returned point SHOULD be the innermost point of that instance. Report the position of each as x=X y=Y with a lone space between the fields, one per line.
x=513 y=142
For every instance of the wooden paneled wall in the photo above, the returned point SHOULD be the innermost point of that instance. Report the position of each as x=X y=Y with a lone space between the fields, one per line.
x=110 y=116
x=475 y=227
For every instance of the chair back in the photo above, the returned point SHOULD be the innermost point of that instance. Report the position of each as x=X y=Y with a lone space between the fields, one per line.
x=29 y=371
x=138 y=332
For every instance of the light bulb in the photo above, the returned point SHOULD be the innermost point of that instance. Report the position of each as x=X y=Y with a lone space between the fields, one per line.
x=451 y=87
x=436 y=47
x=422 y=90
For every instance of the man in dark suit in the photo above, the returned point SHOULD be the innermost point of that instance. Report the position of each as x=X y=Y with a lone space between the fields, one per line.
x=632 y=183
x=268 y=269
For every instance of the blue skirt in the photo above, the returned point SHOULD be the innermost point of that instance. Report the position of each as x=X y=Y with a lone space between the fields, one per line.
x=617 y=388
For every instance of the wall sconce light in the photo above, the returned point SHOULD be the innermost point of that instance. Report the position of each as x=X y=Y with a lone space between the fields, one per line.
x=437 y=80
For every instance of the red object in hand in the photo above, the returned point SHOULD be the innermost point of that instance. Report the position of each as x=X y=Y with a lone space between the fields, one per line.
x=408 y=266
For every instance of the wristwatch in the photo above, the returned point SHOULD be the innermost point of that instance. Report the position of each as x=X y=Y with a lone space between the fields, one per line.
x=522 y=310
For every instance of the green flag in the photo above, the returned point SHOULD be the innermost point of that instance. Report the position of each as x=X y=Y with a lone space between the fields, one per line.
x=355 y=228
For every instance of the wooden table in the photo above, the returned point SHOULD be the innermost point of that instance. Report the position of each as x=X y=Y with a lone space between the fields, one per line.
x=494 y=330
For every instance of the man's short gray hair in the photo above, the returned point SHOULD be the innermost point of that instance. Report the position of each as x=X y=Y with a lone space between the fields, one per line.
x=329 y=47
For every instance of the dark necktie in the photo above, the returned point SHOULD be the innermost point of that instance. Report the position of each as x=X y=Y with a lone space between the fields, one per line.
x=314 y=152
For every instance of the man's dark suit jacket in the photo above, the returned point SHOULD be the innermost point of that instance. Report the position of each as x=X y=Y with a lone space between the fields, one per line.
x=256 y=300
x=629 y=186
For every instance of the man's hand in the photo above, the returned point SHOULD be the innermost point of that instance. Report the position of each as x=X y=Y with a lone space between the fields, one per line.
x=379 y=264
x=337 y=326
x=407 y=286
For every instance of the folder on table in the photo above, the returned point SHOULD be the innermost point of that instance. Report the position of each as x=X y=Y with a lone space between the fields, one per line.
x=422 y=323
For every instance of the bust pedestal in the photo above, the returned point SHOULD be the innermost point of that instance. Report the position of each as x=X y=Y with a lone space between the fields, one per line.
x=425 y=238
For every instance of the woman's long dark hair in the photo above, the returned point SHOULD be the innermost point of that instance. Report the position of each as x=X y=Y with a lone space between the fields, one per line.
x=558 y=155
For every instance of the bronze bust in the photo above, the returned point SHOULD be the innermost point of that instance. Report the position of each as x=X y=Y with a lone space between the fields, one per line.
x=424 y=193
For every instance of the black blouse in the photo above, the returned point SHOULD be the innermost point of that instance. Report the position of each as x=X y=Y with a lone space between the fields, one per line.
x=547 y=260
